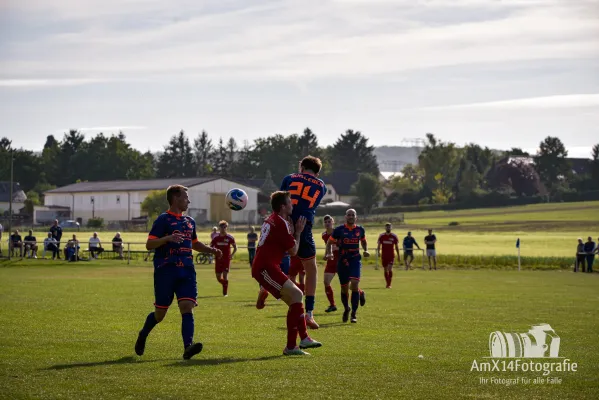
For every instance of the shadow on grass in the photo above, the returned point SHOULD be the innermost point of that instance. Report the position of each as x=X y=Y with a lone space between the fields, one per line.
x=122 y=360
x=210 y=297
x=219 y=361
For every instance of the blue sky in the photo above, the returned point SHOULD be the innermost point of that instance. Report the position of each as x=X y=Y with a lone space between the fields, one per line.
x=501 y=73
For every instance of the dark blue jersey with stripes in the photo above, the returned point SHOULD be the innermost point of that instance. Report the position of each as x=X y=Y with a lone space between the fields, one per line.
x=307 y=192
x=179 y=254
x=348 y=239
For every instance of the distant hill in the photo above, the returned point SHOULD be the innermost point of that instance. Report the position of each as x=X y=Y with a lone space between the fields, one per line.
x=394 y=158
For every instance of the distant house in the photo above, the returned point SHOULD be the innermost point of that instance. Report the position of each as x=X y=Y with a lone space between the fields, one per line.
x=121 y=200
x=339 y=184
x=18 y=197
x=579 y=165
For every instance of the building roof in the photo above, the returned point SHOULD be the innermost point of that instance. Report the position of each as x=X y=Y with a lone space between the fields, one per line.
x=133 y=185
x=342 y=181
x=17 y=193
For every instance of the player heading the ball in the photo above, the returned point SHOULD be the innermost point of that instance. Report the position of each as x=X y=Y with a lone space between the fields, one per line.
x=307 y=190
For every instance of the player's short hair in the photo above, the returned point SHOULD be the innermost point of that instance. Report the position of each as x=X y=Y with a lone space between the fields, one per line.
x=388 y=224
x=279 y=199
x=311 y=163
x=351 y=209
x=174 y=191
x=223 y=222
x=327 y=217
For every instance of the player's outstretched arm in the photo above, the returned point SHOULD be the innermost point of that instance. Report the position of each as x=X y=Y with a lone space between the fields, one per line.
x=202 y=248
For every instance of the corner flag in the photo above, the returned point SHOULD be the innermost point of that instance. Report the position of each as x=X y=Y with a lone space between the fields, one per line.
x=518 y=243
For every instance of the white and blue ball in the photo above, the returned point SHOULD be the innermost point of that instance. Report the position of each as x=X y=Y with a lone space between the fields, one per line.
x=236 y=199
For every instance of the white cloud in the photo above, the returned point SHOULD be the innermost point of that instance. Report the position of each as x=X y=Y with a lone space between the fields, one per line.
x=110 y=128
x=546 y=102
x=288 y=40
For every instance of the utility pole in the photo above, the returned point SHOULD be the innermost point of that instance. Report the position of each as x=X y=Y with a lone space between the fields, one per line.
x=10 y=201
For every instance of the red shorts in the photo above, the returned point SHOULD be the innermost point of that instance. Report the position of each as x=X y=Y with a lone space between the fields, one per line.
x=386 y=261
x=270 y=278
x=331 y=267
x=296 y=266
x=222 y=265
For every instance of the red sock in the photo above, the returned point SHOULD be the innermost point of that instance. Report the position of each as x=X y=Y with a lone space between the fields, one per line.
x=225 y=286
x=329 y=292
x=390 y=277
x=295 y=311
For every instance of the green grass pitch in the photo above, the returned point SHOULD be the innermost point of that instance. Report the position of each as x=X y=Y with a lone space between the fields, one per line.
x=68 y=330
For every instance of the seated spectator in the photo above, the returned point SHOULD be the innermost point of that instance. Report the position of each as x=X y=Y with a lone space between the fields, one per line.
x=71 y=250
x=16 y=242
x=30 y=244
x=117 y=244
x=95 y=246
x=589 y=249
x=50 y=244
x=580 y=256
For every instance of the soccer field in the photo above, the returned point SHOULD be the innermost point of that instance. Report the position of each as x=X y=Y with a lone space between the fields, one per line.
x=68 y=330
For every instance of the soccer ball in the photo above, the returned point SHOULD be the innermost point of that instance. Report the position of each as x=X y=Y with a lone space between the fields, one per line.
x=236 y=199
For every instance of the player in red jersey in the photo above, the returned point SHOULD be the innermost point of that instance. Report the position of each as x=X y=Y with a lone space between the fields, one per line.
x=276 y=239
x=331 y=268
x=223 y=241
x=388 y=242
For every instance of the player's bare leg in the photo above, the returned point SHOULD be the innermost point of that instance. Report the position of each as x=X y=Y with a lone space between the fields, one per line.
x=187 y=329
x=302 y=282
x=389 y=275
x=296 y=321
x=311 y=271
x=328 y=278
x=225 y=283
x=435 y=262
x=153 y=319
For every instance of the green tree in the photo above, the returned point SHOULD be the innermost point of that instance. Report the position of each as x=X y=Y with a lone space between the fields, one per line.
x=551 y=163
x=155 y=203
x=202 y=148
x=177 y=160
x=351 y=152
x=231 y=157
x=33 y=199
x=368 y=190
x=595 y=166
x=439 y=159
x=219 y=159
x=244 y=167
x=515 y=151
x=277 y=153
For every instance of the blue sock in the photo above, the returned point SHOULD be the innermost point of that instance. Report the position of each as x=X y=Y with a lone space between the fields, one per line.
x=309 y=301
x=355 y=301
x=187 y=329
x=150 y=324
x=344 y=300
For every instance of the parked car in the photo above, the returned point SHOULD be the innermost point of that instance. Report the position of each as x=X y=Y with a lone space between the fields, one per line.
x=70 y=224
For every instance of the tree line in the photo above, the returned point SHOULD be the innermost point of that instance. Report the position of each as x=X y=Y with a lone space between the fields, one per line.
x=446 y=173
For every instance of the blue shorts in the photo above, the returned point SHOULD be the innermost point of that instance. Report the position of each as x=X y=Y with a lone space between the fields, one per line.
x=307 y=247
x=349 y=268
x=170 y=280
x=285 y=264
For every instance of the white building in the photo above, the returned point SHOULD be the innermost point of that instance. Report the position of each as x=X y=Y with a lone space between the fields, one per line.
x=18 y=197
x=121 y=200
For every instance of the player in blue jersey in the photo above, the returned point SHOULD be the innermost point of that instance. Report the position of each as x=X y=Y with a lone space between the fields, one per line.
x=173 y=236
x=306 y=193
x=348 y=238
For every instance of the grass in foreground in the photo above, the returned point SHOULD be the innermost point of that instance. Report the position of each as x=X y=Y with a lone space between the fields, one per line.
x=68 y=331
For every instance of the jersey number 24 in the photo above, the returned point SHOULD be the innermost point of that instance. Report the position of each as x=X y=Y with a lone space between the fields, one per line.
x=299 y=191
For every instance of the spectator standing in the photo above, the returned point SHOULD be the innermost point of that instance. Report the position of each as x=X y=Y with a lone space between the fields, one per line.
x=56 y=231
x=589 y=249
x=431 y=252
x=117 y=245
x=580 y=256
x=252 y=239
x=16 y=242
x=95 y=246
x=408 y=247
x=50 y=245
x=30 y=244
